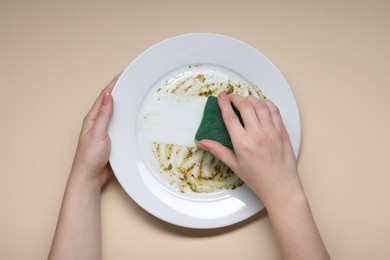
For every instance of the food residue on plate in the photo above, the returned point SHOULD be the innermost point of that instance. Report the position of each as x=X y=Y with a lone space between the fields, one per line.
x=187 y=168
x=191 y=169
x=203 y=82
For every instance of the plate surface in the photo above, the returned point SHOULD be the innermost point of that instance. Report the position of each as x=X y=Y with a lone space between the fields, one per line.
x=129 y=159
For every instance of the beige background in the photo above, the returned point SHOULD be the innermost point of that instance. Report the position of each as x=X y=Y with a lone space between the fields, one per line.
x=56 y=56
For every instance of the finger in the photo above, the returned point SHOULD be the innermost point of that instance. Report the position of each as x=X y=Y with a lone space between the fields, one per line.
x=108 y=89
x=94 y=111
x=275 y=114
x=230 y=118
x=103 y=117
x=220 y=152
x=247 y=111
x=262 y=111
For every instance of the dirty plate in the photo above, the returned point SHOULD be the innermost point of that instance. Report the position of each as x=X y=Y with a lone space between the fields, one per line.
x=131 y=154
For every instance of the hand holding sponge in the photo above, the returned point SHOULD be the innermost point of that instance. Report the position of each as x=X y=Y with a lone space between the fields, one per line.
x=212 y=126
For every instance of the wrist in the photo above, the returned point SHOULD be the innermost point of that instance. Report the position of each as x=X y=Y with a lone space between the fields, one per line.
x=282 y=194
x=81 y=178
x=287 y=201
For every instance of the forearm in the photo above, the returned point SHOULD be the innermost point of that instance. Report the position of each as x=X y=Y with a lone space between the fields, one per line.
x=78 y=231
x=295 y=228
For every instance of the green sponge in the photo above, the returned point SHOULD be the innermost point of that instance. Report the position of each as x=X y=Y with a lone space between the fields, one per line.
x=212 y=126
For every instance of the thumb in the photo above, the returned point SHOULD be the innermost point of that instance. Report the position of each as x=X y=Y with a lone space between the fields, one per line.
x=220 y=152
x=104 y=115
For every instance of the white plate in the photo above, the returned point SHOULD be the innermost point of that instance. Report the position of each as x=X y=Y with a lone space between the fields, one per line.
x=133 y=169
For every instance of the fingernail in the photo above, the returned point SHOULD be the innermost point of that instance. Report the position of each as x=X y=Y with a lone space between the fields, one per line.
x=106 y=98
x=222 y=95
x=202 y=146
